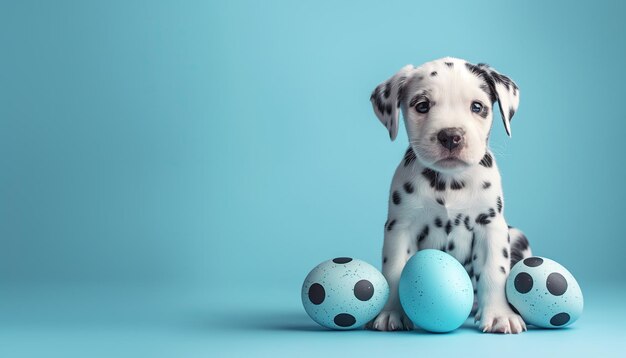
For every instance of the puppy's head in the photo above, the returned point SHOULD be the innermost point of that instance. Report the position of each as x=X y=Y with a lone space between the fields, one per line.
x=447 y=107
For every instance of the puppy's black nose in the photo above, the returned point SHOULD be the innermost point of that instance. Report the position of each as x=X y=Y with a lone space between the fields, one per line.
x=450 y=137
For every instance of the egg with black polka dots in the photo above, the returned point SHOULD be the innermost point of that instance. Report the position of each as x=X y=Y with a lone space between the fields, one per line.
x=544 y=293
x=344 y=293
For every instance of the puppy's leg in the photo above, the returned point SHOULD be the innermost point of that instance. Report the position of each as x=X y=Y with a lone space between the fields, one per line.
x=397 y=249
x=492 y=265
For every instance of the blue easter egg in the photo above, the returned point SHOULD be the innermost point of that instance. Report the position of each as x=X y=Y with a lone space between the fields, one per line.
x=344 y=293
x=544 y=293
x=435 y=291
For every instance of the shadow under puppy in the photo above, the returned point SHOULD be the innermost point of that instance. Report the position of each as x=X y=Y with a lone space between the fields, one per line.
x=446 y=193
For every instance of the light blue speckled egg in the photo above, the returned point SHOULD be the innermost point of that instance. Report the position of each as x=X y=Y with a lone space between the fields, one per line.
x=435 y=291
x=344 y=293
x=544 y=293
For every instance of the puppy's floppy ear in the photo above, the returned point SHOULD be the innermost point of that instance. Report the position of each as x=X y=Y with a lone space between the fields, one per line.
x=507 y=95
x=386 y=100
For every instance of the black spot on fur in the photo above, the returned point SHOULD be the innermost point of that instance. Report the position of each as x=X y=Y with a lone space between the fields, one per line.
x=451 y=246
x=384 y=260
x=502 y=269
x=438 y=222
x=475 y=257
x=485 y=88
x=457 y=220
x=468 y=261
x=391 y=224
x=449 y=64
x=492 y=212
x=518 y=247
x=435 y=181
x=505 y=253
x=481 y=72
x=423 y=235
x=477 y=277
x=486 y=185
x=483 y=219
x=441 y=201
x=457 y=185
x=387 y=90
x=511 y=113
x=377 y=99
x=487 y=161
x=401 y=82
x=408 y=187
x=466 y=222
x=430 y=175
x=434 y=73
x=440 y=186
x=409 y=157
x=499 y=204
x=396 y=197
x=448 y=227
x=502 y=79
x=408 y=251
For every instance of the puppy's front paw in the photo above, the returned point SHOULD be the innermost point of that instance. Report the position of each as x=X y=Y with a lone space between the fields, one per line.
x=499 y=320
x=393 y=320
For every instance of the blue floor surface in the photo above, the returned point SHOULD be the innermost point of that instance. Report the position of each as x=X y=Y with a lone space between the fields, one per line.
x=250 y=322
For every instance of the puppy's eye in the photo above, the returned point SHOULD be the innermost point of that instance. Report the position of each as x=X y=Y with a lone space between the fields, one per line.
x=476 y=107
x=423 y=107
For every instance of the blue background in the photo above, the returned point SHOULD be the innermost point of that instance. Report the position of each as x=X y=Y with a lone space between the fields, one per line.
x=171 y=171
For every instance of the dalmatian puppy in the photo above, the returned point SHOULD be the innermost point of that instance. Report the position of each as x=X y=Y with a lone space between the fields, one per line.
x=446 y=192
